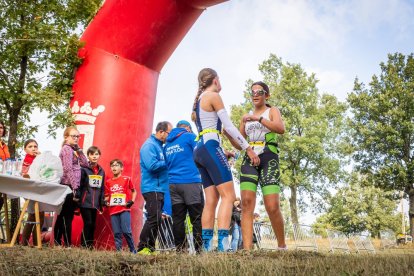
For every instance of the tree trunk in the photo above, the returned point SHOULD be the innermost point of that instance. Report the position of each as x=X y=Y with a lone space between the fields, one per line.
x=293 y=204
x=411 y=210
x=14 y=206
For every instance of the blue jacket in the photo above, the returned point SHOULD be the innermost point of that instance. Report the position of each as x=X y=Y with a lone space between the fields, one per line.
x=179 y=154
x=154 y=172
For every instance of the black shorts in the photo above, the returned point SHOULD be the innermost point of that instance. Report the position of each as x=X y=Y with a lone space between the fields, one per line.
x=267 y=174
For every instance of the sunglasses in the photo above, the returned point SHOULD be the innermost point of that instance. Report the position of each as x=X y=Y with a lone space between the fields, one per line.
x=257 y=93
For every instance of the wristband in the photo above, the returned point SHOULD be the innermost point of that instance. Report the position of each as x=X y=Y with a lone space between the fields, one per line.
x=260 y=119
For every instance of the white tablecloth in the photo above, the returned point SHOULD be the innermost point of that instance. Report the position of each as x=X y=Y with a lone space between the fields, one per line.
x=49 y=195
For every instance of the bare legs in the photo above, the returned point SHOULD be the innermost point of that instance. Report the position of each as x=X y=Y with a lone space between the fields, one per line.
x=272 y=205
x=248 y=202
x=226 y=193
x=212 y=198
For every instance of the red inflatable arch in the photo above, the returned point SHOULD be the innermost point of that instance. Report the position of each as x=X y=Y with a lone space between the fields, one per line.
x=126 y=45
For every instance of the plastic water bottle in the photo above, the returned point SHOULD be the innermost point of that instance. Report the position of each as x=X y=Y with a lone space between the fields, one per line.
x=9 y=166
x=17 y=167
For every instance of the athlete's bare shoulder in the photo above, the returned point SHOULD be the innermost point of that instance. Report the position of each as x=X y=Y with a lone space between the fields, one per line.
x=211 y=101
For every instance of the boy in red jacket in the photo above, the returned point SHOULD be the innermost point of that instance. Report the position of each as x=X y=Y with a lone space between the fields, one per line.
x=119 y=196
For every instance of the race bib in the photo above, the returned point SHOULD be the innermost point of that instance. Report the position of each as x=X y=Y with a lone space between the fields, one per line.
x=118 y=200
x=95 y=181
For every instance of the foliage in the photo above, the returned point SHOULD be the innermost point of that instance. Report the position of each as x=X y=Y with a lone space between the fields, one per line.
x=38 y=58
x=312 y=150
x=321 y=224
x=38 y=55
x=383 y=127
x=360 y=207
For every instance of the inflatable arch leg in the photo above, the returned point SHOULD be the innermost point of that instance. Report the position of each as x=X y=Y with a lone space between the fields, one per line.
x=126 y=45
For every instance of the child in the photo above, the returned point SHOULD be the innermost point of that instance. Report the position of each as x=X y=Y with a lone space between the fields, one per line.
x=91 y=195
x=31 y=149
x=119 y=196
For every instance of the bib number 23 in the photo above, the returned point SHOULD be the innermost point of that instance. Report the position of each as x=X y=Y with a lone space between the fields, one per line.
x=118 y=200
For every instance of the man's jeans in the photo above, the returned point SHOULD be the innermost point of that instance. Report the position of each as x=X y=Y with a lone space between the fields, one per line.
x=235 y=237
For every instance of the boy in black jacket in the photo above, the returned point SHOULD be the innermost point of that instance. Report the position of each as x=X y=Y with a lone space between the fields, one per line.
x=91 y=195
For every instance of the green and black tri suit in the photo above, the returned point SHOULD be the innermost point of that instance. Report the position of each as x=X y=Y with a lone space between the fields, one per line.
x=267 y=174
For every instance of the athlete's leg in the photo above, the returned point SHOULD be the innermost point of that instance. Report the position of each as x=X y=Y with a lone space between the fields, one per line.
x=207 y=217
x=249 y=176
x=209 y=211
x=228 y=196
x=248 y=202
x=272 y=205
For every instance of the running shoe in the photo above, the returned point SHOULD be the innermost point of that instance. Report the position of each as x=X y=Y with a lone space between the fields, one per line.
x=145 y=251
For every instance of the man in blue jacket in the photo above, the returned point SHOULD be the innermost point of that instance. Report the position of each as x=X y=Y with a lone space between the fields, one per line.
x=154 y=183
x=186 y=190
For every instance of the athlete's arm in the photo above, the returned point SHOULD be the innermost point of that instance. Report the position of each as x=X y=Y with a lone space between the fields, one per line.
x=243 y=127
x=231 y=129
x=218 y=106
x=232 y=141
x=275 y=124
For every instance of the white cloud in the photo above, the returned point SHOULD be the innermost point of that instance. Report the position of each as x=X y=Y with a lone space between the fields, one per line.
x=332 y=82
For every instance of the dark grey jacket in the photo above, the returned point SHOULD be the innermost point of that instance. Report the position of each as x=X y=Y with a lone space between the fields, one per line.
x=91 y=189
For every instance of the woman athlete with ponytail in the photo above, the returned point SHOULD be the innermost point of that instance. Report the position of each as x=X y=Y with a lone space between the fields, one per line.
x=209 y=116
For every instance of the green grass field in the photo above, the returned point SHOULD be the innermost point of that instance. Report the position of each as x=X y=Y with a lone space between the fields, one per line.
x=75 y=261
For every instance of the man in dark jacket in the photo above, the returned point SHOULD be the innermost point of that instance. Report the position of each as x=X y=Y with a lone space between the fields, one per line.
x=154 y=183
x=186 y=190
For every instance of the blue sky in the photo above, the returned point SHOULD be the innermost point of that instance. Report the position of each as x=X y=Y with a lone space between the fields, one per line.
x=337 y=40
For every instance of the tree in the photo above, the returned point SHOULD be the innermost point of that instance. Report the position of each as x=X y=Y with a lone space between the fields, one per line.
x=359 y=207
x=312 y=149
x=38 y=56
x=383 y=126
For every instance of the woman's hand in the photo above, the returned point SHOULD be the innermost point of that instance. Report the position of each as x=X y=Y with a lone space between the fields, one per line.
x=75 y=147
x=249 y=117
x=255 y=160
x=229 y=154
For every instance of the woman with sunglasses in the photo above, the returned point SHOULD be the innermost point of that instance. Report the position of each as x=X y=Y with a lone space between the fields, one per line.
x=261 y=126
x=210 y=116
x=72 y=159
